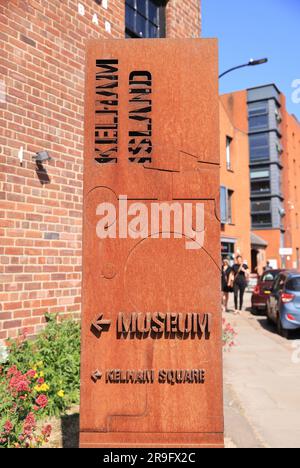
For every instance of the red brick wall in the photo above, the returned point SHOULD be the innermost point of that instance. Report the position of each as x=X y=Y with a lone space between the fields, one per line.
x=183 y=18
x=41 y=108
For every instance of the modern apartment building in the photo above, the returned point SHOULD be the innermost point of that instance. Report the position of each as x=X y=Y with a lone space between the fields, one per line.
x=266 y=167
x=273 y=165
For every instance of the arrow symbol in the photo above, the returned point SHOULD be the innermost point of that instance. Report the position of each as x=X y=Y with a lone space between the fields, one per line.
x=96 y=375
x=100 y=324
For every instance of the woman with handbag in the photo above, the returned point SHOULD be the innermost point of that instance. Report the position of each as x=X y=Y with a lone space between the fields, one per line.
x=226 y=284
x=241 y=277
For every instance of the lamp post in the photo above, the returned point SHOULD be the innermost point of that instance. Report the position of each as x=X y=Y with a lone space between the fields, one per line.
x=251 y=63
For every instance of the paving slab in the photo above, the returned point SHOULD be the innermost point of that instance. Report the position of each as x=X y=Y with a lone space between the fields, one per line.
x=264 y=380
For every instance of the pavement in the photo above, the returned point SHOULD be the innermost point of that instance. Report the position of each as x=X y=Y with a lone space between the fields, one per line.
x=261 y=385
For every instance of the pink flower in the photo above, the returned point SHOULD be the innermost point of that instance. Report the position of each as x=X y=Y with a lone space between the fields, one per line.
x=29 y=424
x=8 y=427
x=42 y=401
x=46 y=431
x=31 y=374
x=12 y=371
x=18 y=382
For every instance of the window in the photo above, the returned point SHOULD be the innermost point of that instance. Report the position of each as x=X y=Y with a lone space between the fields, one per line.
x=261 y=220
x=145 y=18
x=258 y=116
x=226 y=205
x=259 y=147
x=269 y=276
x=279 y=283
x=223 y=205
x=228 y=249
x=260 y=187
x=260 y=174
x=230 y=196
x=228 y=153
x=261 y=213
x=293 y=284
x=261 y=206
x=260 y=181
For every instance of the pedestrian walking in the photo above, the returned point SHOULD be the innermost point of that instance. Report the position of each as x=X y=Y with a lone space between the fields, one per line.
x=241 y=277
x=268 y=267
x=226 y=283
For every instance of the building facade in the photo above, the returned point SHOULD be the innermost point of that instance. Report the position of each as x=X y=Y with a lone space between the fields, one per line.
x=273 y=164
x=235 y=188
x=266 y=167
x=42 y=74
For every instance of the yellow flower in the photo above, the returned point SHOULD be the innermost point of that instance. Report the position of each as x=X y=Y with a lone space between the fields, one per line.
x=42 y=388
x=40 y=364
x=61 y=393
x=42 y=374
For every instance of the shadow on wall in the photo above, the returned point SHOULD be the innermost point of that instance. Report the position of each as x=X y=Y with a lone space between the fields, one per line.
x=42 y=174
x=70 y=431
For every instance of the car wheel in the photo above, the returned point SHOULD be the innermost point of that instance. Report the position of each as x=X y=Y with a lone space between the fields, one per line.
x=282 y=332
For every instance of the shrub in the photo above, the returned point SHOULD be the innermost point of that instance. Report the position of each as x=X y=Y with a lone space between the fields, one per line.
x=20 y=405
x=55 y=357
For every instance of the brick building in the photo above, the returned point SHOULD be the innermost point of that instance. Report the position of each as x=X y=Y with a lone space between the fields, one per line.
x=269 y=173
x=42 y=69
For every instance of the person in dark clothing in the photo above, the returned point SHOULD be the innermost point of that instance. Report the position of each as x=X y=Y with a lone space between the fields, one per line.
x=226 y=289
x=241 y=276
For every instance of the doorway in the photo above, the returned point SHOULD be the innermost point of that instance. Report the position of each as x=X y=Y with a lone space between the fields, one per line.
x=254 y=260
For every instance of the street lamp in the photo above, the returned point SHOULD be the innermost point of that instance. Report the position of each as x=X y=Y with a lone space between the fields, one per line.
x=251 y=63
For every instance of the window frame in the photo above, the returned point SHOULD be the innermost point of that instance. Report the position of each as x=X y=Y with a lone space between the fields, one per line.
x=264 y=225
x=262 y=178
x=229 y=141
x=259 y=159
x=259 y=109
x=226 y=205
x=132 y=33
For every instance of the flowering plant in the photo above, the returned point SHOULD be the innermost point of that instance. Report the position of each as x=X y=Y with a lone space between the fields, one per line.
x=229 y=335
x=55 y=357
x=20 y=407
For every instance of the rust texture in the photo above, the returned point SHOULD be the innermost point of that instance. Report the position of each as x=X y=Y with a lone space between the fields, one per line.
x=169 y=154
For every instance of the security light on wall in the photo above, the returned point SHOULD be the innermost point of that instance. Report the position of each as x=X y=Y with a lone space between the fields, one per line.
x=282 y=212
x=42 y=156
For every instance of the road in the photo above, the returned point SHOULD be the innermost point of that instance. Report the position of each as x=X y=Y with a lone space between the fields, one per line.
x=261 y=385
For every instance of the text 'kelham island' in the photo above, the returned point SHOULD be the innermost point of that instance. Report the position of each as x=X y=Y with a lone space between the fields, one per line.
x=167 y=324
x=107 y=114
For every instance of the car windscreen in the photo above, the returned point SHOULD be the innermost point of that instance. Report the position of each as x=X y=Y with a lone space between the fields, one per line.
x=293 y=284
x=270 y=276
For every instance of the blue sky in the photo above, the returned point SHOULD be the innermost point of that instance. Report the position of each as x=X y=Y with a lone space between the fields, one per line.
x=255 y=29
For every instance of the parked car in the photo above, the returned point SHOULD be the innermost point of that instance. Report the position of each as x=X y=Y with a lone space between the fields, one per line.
x=283 y=307
x=262 y=290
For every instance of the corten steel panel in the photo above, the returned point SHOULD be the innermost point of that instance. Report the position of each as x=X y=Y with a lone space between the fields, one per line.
x=153 y=275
